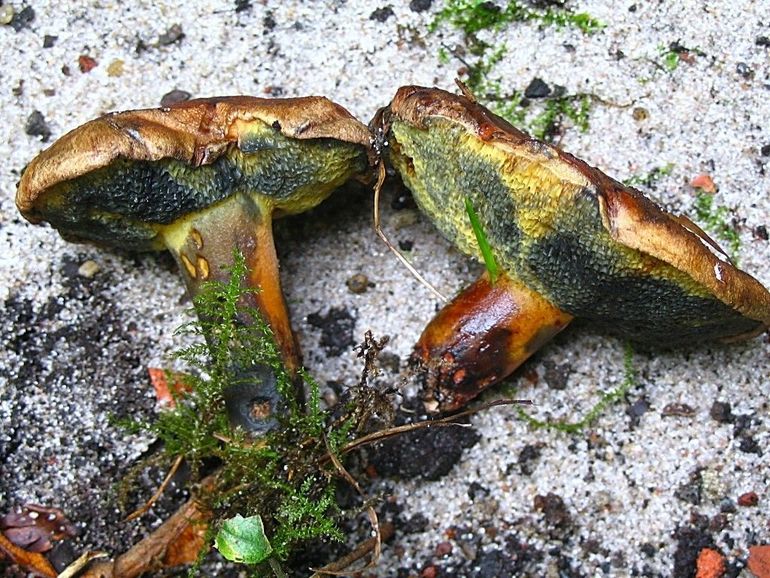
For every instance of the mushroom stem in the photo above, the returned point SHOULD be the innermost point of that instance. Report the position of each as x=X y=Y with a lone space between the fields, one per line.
x=203 y=246
x=480 y=337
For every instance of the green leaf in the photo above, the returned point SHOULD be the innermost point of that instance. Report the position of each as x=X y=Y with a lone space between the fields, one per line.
x=243 y=540
x=481 y=238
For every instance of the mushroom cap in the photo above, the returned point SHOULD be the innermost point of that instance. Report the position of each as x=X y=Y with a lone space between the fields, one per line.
x=592 y=246
x=119 y=179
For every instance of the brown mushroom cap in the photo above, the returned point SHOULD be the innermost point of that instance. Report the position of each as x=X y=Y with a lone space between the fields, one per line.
x=203 y=179
x=118 y=179
x=590 y=245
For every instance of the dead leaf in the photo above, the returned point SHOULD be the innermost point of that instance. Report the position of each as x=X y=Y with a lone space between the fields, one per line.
x=34 y=527
x=164 y=392
x=30 y=561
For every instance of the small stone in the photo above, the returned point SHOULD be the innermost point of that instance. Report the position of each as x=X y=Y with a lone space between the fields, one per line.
x=476 y=490
x=721 y=412
x=554 y=510
x=22 y=19
x=174 y=96
x=727 y=506
x=744 y=70
x=557 y=376
x=705 y=183
x=528 y=458
x=749 y=445
x=765 y=150
x=640 y=114
x=6 y=14
x=171 y=36
x=748 y=500
x=537 y=89
x=759 y=560
x=691 y=491
x=37 y=126
x=678 y=410
x=429 y=572
x=88 y=269
x=420 y=5
x=763 y=41
x=358 y=283
x=710 y=564
x=381 y=14
x=268 y=23
x=86 y=63
x=242 y=5
x=637 y=409
x=760 y=232
x=115 y=68
x=444 y=549
x=49 y=41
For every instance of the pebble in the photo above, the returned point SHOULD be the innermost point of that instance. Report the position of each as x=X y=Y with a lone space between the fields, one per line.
x=115 y=68
x=37 y=126
x=710 y=564
x=174 y=96
x=537 y=89
x=86 y=63
x=358 y=283
x=381 y=14
x=6 y=14
x=420 y=5
x=171 y=36
x=759 y=560
x=748 y=500
x=88 y=269
x=721 y=412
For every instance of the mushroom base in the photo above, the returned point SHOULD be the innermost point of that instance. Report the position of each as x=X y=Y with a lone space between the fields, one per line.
x=480 y=338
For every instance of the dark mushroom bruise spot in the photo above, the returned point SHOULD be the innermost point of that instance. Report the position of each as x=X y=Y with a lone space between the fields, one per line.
x=571 y=242
x=202 y=178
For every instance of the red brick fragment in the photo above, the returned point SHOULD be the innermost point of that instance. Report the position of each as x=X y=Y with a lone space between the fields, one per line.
x=710 y=564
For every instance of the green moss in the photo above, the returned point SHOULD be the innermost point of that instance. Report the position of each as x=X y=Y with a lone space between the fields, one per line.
x=473 y=16
x=649 y=179
x=481 y=58
x=714 y=219
x=607 y=399
x=284 y=477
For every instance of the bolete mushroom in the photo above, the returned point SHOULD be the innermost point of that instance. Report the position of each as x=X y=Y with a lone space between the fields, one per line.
x=203 y=179
x=569 y=240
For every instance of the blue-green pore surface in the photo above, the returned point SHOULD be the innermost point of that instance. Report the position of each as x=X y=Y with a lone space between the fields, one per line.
x=123 y=203
x=576 y=265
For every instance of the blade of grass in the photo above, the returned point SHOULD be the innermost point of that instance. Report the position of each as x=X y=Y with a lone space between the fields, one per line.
x=481 y=238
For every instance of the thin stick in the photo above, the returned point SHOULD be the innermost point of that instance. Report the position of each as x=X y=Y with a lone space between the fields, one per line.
x=369 y=510
x=158 y=493
x=443 y=422
x=381 y=234
x=337 y=567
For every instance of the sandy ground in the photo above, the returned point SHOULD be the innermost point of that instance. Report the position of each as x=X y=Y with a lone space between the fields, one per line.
x=639 y=492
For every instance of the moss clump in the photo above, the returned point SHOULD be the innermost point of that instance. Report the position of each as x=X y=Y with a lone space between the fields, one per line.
x=284 y=476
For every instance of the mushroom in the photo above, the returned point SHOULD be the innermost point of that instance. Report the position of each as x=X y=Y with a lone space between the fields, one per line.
x=569 y=241
x=203 y=179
